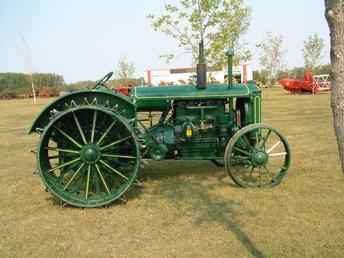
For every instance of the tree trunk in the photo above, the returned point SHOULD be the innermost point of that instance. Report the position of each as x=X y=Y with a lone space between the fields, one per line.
x=335 y=18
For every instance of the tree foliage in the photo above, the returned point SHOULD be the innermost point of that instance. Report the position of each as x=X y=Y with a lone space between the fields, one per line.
x=299 y=72
x=271 y=56
x=219 y=23
x=14 y=84
x=313 y=51
x=125 y=70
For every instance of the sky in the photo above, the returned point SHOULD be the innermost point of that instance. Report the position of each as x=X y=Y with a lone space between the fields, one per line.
x=84 y=39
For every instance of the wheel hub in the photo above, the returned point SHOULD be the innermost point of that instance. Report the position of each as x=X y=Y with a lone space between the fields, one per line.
x=90 y=153
x=260 y=158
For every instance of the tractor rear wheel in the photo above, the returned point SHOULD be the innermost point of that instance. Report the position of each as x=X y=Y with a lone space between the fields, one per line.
x=88 y=156
x=257 y=156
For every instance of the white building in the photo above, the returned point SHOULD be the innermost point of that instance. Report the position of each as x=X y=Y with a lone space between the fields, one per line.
x=177 y=76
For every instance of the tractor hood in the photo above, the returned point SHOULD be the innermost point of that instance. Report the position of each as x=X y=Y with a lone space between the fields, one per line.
x=159 y=97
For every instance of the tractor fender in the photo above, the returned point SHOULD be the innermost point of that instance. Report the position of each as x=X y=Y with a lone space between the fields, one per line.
x=110 y=100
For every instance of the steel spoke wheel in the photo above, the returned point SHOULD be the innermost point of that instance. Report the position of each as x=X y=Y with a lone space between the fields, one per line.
x=88 y=156
x=257 y=156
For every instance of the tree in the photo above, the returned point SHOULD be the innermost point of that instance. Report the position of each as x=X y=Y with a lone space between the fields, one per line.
x=271 y=56
x=313 y=51
x=219 y=23
x=335 y=17
x=15 y=84
x=125 y=70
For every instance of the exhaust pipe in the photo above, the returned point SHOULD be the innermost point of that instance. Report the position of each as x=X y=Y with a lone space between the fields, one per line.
x=201 y=68
x=230 y=55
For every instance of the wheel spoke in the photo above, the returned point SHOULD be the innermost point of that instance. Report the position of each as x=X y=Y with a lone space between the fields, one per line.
x=74 y=175
x=269 y=172
x=106 y=132
x=118 y=156
x=241 y=150
x=63 y=172
x=273 y=147
x=64 y=165
x=252 y=169
x=239 y=160
x=94 y=125
x=119 y=163
x=115 y=143
x=103 y=180
x=278 y=154
x=78 y=184
x=88 y=181
x=68 y=137
x=62 y=150
x=79 y=127
x=265 y=139
x=53 y=157
x=96 y=183
x=247 y=142
x=114 y=170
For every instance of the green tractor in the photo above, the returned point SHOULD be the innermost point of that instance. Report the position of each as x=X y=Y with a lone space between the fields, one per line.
x=93 y=141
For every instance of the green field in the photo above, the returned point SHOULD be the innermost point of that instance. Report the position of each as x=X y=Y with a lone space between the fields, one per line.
x=186 y=208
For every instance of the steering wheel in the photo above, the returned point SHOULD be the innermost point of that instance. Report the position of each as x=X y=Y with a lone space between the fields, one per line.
x=103 y=80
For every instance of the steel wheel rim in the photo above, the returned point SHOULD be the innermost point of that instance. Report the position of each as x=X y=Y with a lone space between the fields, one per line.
x=94 y=167
x=247 y=165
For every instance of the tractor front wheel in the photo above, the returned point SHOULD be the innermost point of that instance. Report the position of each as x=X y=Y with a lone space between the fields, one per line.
x=257 y=156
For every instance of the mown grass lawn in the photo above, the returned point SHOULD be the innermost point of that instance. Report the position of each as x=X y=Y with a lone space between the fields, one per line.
x=185 y=209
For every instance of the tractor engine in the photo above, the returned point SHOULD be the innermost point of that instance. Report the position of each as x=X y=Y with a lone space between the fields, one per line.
x=195 y=129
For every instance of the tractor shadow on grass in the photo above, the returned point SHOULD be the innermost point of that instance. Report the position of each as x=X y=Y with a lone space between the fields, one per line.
x=191 y=187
